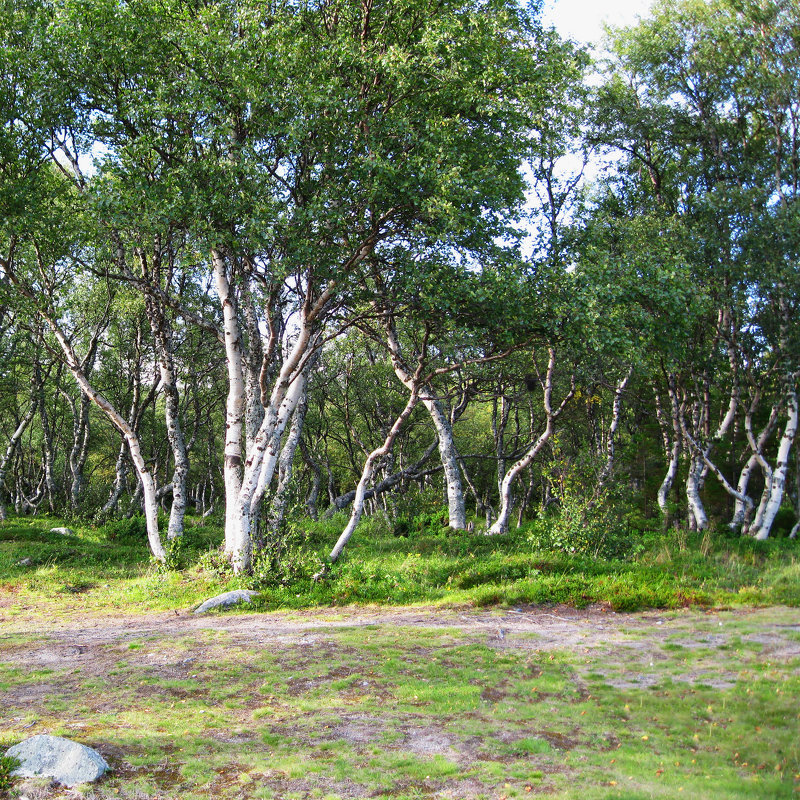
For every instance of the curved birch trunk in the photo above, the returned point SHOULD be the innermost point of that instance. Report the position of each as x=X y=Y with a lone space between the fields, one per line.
x=145 y=476
x=611 y=441
x=778 y=482
x=10 y=450
x=121 y=424
x=366 y=476
x=457 y=516
x=501 y=524
x=698 y=519
x=673 y=445
x=742 y=511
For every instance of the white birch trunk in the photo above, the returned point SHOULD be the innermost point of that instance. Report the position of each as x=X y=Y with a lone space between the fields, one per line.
x=698 y=519
x=234 y=409
x=447 y=450
x=742 y=511
x=289 y=406
x=10 y=450
x=121 y=424
x=262 y=457
x=457 y=515
x=778 y=482
x=672 y=446
x=611 y=441
x=366 y=476
x=172 y=418
x=740 y=508
x=285 y=468
x=501 y=524
x=700 y=462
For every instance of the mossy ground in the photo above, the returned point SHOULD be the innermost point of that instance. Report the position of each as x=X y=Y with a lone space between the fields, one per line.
x=374 y=700
x=459 y=704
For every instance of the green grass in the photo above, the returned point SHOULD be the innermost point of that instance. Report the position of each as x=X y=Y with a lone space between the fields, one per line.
x=424 y=712
x=109 y=568
x=409 y=712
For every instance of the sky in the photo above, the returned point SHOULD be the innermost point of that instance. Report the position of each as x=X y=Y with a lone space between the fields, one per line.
x=583 y=19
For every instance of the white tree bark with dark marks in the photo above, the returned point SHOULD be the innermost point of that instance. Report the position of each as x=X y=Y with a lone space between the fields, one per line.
x=501 y=524
x=11 y=449
x=613 y=427
x=367 y=472
x=234 y=405
x=777 y=483
x=457 y=518
x=132 y=439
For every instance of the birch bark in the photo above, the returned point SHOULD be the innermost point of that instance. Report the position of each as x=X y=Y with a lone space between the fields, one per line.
x=501 y=524
x=11 y=450
x=134 y=447
x=366 y=475
x=444 y=430
x=777 y=483
x=234 y=404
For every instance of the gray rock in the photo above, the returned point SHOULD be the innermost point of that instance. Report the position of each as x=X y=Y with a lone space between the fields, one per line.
x=66 y=762
x=24 y=562
x=63 y=531
x=227 y=599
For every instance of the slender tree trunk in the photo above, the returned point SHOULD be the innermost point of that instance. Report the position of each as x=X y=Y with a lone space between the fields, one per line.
x=412 y=472
x=742 y=510
x=162 y=335
x=457 y=518
x=145 y=476
x=234 y=408
x=285 y=467
x=613 y=427
x=11 y=449
x=120 y=474
x=778 y=480
x=501 y=524
x=447 y=450
x=51 y=490
x=366 y=475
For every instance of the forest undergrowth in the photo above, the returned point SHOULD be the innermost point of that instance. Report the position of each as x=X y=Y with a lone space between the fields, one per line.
x=413 y=560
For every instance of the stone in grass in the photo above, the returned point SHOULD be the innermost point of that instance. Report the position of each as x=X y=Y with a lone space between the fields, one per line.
x=25 y=562
x=227 y=599
x=66 y=762
x=63 y=531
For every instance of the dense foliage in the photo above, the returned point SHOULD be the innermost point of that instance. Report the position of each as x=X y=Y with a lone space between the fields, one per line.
x=291 y=260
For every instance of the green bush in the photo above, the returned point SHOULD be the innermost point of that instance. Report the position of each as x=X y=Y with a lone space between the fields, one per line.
x=286 y=559
x=126 y=530
x=581 y=527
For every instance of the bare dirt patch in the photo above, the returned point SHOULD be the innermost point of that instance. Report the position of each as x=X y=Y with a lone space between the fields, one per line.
x=165 y=660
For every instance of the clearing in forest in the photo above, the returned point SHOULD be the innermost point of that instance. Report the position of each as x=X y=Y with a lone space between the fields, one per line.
x=404 y=703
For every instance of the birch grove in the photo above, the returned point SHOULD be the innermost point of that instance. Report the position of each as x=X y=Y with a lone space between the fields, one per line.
x=272 y=263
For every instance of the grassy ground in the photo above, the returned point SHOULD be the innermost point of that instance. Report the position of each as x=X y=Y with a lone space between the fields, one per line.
x=108 y=568
x=95 y=644
x=446 y=704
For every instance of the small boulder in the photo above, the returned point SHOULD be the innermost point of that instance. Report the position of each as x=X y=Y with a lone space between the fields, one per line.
x=227 y=599
x=66 y=762
x=63 y=531
x=24 y=562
